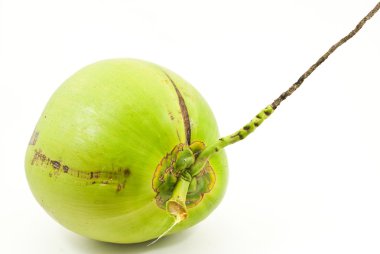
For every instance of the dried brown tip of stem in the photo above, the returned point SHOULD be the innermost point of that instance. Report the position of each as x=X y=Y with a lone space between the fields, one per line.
x=312 y=68
x=177 y=210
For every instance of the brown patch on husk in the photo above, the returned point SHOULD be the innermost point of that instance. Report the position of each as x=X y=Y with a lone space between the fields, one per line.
x=117 y=177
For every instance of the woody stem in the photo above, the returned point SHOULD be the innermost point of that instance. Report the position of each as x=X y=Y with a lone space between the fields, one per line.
x=256 y=122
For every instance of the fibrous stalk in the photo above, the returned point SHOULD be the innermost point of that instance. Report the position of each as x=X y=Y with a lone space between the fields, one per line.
x=249 y=128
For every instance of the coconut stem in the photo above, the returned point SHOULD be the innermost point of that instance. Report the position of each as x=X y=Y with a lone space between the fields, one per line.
x=176 y=205
x=228 y=140
x=254 y=123
x=297 y=84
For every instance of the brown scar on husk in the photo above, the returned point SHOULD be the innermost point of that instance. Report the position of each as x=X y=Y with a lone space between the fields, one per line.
x=56 y=164
x=184 y=111
x=171 y=115
x=33 y=138
x=117 y=178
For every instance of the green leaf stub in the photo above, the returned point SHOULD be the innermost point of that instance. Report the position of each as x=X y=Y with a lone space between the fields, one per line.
x=166 y=176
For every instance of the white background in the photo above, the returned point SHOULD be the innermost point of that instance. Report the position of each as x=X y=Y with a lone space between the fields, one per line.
x=307 y=181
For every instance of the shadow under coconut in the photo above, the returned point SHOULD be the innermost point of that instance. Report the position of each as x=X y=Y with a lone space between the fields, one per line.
x=85 y=245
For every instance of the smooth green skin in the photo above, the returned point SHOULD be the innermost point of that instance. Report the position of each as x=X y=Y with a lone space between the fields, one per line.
x=111 y=115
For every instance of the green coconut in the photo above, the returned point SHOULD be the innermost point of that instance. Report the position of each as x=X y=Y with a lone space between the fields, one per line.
x=127 y=151
x=102 y=158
